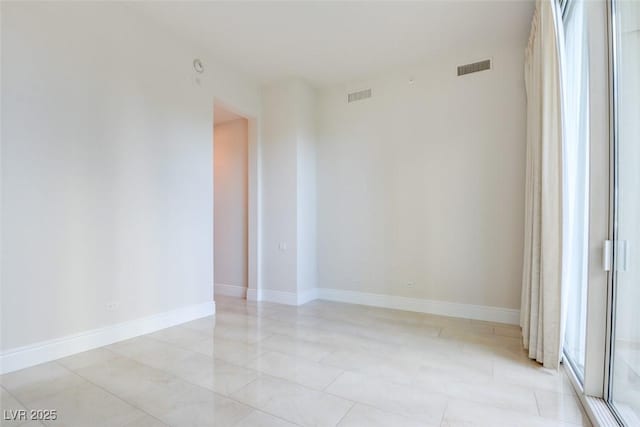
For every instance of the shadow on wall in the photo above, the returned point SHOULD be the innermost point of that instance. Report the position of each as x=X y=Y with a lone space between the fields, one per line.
x=230 y=166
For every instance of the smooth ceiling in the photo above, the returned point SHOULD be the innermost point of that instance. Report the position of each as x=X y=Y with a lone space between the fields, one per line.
x=332 y=42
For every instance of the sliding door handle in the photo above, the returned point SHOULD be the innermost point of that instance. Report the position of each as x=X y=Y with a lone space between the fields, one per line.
x=607 y=255
x=621 y=253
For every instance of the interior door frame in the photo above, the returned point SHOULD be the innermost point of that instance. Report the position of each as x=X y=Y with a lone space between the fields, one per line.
x=253 y=197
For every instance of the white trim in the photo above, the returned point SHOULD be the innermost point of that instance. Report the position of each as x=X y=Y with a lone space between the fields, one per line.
x=279 y=297
x=595 y=407
x=282 y=297
x=254 y=294
x=230 y=290
x=600 y=193
x=442 y=308
x=45 y=351
x=307 y=296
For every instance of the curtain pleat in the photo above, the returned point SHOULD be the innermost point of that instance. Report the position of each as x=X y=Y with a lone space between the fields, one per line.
x=542 y=306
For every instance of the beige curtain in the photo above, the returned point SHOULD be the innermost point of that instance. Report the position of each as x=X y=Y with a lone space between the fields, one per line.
x=542 y=309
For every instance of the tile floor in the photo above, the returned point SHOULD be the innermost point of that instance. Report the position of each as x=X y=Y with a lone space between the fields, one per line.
x=320 y=364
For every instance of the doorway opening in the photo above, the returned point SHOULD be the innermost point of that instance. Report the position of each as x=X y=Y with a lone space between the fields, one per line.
x=231 y=202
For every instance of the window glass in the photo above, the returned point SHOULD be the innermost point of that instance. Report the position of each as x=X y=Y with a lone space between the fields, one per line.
x=576 y=178
x=625 y=372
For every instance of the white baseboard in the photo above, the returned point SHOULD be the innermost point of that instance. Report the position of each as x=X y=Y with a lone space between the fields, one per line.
x=254 y=295
x=282 y=297
x=230 y=290
x=307 y=296
x=279 y=297
x=45 y=351
x=441 y=308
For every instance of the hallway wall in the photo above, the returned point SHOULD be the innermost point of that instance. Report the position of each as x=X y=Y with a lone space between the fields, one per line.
x=230 y=206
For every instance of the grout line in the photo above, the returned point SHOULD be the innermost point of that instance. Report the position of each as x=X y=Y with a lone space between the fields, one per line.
x=535 y=397
x=263 y=412
x=21 y=403
x=229 y=397
x=324 y=389
x=444 y=413
x=322 y=359
x=180 y=379
x=353 y=405
x=111 y=393
x=213 y=357
x=249 y=361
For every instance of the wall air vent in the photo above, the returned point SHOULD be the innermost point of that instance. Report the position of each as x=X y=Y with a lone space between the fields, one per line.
x=474 y=68
x=359 y=95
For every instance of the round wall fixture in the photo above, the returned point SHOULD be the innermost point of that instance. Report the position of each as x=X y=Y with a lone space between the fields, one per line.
x=197 y=65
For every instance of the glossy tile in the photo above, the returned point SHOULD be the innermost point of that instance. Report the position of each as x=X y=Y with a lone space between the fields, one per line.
x=127 y=378
x=297 y=347
x=293 y=402
x=191 y=366
x=10 y=410
x=144 y=420
x=300 y=371
x=213 y=374
x=319 y=364
x=461 y=413
x=243 y=333
x=236 y=352
x=180 y=336
x=561 y=406
x=262 y=419
x=508 y=331
x=87 y=358
x=527 y=373
x=205 y=325
x=87 y=404
x=367 y=416
x=149 y=351
x=404 y=400
x=199 y=407
x=381 y=366
x=28 y=385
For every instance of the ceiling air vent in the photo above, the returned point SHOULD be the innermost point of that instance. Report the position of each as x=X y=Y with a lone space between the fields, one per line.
x=359 y=96
x=474 y=68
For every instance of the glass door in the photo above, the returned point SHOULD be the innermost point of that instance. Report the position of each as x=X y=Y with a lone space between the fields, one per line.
x=624 y=379
x=576 y=182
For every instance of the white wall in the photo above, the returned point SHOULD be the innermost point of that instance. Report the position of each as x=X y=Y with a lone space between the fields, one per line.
x=423 y=183
x=278 y=189
x=306 y=189
x=106 y=168
x=288 y=189
x=230 y=202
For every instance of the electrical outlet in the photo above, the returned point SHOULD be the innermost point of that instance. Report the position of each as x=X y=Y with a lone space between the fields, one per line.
x=113 y=306
x=282 y=246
